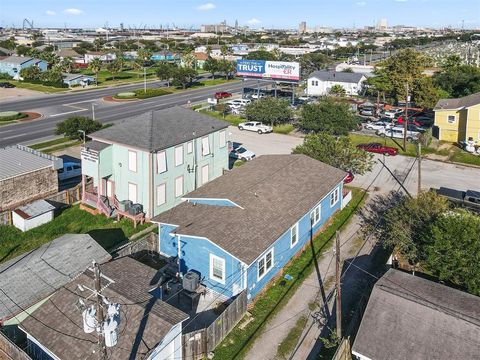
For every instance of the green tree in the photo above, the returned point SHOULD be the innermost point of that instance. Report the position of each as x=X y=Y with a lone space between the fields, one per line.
x=269 y=110
x=336 y=151
x=227 y=67
x=211 y=65
x=165 y=71
x=183 y=76
x=23 y=50
x=425 y=93
x=260 y=55
x=98 y=43
x=143 y=59
x=224 y=51
x=337 y=90
x=53 y=76
x=451 y=61
x=328 y=116
x=312 y=62
x=50 y=58
x=71 y=126
x=405 y=226
x=189 y=60
x=459 y=81
x=9 y=43
x=66 y=65
x=452 y=252
x=114 y=68
x=95 y=66
x=347 y=70
x=30 y=73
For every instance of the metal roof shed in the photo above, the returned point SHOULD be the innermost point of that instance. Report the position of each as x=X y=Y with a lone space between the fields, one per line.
x=32 y=215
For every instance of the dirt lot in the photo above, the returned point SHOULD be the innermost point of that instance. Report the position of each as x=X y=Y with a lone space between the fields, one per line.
x=11 y=94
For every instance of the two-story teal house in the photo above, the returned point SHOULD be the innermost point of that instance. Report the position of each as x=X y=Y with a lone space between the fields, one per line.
x=241 y=229
x=153 y=159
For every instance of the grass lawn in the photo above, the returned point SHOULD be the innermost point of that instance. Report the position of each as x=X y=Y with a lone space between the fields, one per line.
x=38 y=87
x=232 y=119
x=398 y=143
x=463 y=157
x=283 y=129
x=63 y=146
x=239 y=340
x=49 y=143
x=288 y=344
x=7 y=122
x=71 y=220
x=105 y=77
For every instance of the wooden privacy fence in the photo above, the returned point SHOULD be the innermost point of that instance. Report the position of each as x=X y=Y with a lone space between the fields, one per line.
x=197 y=344
x=343 y=351
x=60 y=199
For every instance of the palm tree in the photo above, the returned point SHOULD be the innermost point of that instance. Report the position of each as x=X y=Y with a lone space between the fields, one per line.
x=224 y=51
x=95 y=65
x=67 y=64
x=277 y=53
x=114 y=68
x=208 y=50
x=189 y=60
x=337 y=90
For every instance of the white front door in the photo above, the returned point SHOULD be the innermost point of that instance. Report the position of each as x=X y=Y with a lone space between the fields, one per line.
x=110 y=188
x=132 y=192
x=205 y=174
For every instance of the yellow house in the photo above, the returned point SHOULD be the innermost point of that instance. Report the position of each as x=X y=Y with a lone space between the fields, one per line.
x=458 y=119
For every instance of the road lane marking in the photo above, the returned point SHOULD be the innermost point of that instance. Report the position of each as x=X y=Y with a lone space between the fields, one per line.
x=66 y=113
x=30 y=132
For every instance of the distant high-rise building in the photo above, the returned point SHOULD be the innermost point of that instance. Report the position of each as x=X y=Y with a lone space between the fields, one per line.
x=382 y=24
x=236 y=24
x=302 y=27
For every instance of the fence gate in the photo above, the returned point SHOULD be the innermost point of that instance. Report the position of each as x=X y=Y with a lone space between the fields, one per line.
x=195 y=345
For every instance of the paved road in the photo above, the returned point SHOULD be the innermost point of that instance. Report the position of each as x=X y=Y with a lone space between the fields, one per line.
x=59 y=107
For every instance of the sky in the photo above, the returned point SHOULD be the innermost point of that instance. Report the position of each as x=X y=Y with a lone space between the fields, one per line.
x=254 y=13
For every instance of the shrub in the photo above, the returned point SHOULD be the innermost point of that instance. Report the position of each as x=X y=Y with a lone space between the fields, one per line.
x=11 y=115
x=125 y=95
x=283 y=129
x=5 y=76
x=71 y=126
x=141 y=94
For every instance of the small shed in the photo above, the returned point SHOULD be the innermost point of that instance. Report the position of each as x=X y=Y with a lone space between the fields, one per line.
x=32 y=215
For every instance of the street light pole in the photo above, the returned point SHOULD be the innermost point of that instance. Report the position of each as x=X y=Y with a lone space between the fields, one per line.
x=93 y=111
x=144 y=79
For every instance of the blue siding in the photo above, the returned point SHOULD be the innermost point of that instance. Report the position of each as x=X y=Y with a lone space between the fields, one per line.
x=213 y=202
x=167 y=243
x=282 y=252
x=36 y=352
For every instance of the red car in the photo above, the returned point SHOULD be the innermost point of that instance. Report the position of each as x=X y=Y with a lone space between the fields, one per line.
x=379 y=149
x=349 y=178
x=222 y=95
x=410 y=121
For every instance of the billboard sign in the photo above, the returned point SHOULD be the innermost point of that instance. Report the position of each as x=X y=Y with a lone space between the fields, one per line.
x=274 y=70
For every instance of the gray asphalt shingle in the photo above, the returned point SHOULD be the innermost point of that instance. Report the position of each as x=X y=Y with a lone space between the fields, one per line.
x=160 y=129
x=346 y=77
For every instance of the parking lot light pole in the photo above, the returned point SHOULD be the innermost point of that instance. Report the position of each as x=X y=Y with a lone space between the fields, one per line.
x=93 y=111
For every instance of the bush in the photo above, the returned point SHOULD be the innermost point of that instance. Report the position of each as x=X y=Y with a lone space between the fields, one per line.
x=11 y=115
x=125 y=95
x=71 y=126
x=141 y=94
x=5 y=76
x=283 y=129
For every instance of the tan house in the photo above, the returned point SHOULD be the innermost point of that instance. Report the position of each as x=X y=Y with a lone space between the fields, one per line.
x=458 y=119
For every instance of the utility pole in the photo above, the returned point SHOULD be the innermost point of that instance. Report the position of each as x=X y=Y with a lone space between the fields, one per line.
x=144 y=79
x=405 y=119
x=102 y=350
x=338 y=285
x=419 y=160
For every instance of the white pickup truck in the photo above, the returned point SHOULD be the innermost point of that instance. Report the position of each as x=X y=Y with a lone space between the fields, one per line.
x=255 y=126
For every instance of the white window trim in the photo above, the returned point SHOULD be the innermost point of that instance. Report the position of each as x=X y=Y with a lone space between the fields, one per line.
x=336 y=196
x=312 y=215
x=208 y=143
x=183 y=185
x=175 y=155
x=296 y=233
x=165 y=194
x=136 y=192
x=454 y=119
x=222 y=260
x=164 y=154
x=223 y=143
x=136 y=160
x=264 y=257
x=190 y=147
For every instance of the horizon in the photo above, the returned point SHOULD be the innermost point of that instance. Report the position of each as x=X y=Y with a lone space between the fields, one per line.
x=269 y=14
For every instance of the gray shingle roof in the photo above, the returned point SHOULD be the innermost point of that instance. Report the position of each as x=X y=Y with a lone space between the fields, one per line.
x=144 y=320
x=18 y=160
x=19 y=59
x=31 y=277
x=346 y=77
x=408 y=317
x=466 y=101
x=34 y=209
x=161 y=129
x=274 y=191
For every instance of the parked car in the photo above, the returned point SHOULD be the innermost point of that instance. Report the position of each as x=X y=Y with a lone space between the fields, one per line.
x=69 y=170
x=6 y=85
x=423 y=120
x=392 y=112
x=398 y=133
x=469 y=199
x=255 y=126
x=401 y=120
x=349 y=178
x=222 y=95
x=377 y=125
x=257 y=96
x=237 y=151
x=367 y=111
x=378 y=149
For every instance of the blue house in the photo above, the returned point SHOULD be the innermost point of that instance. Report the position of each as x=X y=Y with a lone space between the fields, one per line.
x=12 y=65
x=239 y=230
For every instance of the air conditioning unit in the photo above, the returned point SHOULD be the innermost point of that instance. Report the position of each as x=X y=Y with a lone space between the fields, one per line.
x=191 y=280
x=135 y=209
x=124 y=205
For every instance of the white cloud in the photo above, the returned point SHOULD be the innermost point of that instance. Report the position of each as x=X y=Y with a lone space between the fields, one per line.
x=253 y=21
x=206 y=6
x=50 y=13
x=73 y=11
x=361 y=3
